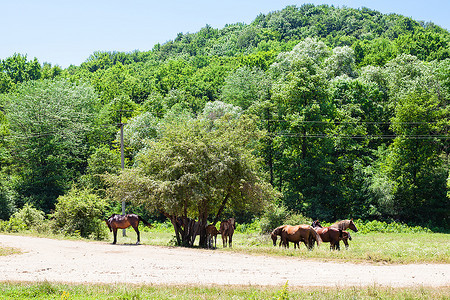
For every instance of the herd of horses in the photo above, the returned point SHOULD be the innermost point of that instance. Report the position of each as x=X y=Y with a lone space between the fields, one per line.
x=308 y=234
x=314 y=233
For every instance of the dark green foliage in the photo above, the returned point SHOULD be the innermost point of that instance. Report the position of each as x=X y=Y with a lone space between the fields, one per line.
x=353 y=105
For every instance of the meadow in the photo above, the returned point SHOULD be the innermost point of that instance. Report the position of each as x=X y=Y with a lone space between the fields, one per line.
x=396 y=247
x=371 y=247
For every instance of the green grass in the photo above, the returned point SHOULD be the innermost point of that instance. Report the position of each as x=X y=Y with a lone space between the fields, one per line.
x=46 y=290
x=392 y=248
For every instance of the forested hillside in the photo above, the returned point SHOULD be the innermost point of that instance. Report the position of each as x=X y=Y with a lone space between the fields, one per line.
x=322 y=111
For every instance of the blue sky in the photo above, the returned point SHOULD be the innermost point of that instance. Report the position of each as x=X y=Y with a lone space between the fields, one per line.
x=64 y=32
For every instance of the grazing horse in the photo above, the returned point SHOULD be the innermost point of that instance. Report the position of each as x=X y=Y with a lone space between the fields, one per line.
x=124 y=221
x=211 y=232
x=275 y=233
x=332 y=235
x=300 y=233
x=226 y=230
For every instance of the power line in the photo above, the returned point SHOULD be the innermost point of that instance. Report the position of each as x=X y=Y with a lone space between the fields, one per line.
x=350 y=122
x=389 y=136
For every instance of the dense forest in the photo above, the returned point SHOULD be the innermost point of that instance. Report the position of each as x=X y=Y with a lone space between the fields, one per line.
x=320 y=111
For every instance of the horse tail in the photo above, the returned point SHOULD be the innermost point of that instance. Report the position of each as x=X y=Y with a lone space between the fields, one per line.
x=316 y=236
x=145 y=222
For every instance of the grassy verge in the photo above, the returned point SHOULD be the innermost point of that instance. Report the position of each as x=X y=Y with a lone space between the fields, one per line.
x=391 y=248
x=48 y=290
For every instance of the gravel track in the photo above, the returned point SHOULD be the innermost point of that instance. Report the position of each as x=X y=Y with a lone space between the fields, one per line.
x=44 y=259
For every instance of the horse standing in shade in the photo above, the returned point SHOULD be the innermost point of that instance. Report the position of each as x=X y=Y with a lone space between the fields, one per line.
x=226 y=229
x=211 y=233
x=124 y=221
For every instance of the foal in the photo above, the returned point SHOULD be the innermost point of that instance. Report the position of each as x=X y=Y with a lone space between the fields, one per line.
x=211 y=232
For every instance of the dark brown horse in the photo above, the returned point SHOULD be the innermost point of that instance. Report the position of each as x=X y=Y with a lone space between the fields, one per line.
x=227 y=228
x=300 y=233
x=211 y=233
x=332 y=235
x=124 y=221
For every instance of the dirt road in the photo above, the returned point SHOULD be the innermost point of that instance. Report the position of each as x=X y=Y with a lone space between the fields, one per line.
x=101 y=262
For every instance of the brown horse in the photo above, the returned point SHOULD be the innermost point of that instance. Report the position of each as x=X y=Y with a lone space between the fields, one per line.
x=227 y=228
x=332 y=235
x=300 y=233
x=124 y=221
x=345 y=224
x=275 y=233
x=211 y=232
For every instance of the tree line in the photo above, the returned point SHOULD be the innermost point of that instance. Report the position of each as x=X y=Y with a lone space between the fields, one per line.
x=327 y=112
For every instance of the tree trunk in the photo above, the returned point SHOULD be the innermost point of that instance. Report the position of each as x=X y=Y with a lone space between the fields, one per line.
x=203 y=221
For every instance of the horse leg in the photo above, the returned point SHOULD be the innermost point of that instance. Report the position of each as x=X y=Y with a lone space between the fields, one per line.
x=115 y=235
x=345 y=243
x=230 y=241
x=138 y=235
x=224 y=240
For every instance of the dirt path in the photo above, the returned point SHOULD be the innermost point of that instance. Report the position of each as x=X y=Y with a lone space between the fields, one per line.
x=83 y=262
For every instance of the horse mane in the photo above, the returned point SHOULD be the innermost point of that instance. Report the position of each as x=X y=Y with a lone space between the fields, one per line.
x=277 y=230
x=112 y=216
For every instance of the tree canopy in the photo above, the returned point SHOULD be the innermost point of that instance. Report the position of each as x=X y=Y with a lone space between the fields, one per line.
x=334 y=112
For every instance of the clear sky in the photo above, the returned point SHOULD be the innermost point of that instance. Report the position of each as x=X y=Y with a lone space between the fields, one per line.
x=65 y=32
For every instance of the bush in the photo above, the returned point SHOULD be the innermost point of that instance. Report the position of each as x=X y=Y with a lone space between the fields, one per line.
x=13 y=225
x=30 y=216
x=80 y=213
x=26 y=218
x=274 y=216
x=297 y=219
x=248 y=228
x=393 y=227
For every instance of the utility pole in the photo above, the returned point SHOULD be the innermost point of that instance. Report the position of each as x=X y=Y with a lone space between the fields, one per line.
x=122 y=160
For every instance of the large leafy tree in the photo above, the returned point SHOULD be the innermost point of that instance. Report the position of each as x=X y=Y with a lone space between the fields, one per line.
x=414 y=163
x=49 y=121
x=195 y=170
x=303 y=108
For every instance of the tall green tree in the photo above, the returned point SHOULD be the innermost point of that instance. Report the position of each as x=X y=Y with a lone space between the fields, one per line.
x=194 y=171
x=415 y=163
x=49 y=121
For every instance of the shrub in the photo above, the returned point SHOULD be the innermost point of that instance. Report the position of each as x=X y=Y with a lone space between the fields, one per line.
x=80 y=213
x=393 y=227
x=30 y=216
x=13 y=225
x=297 y=219
x=26 y=218
x=274 y=216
